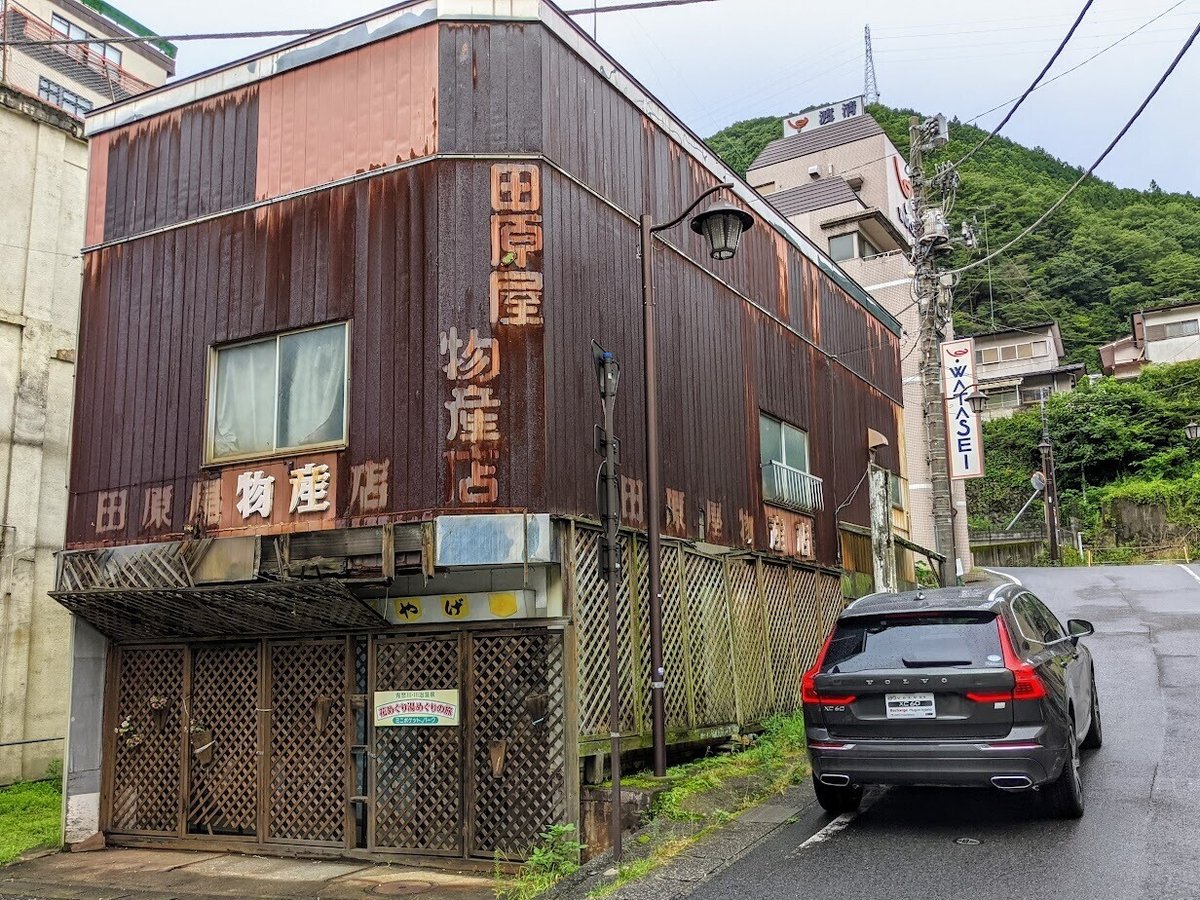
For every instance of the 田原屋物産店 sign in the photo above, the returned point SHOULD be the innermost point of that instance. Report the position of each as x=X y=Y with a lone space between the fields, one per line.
x=412 y=708
x=964 y=430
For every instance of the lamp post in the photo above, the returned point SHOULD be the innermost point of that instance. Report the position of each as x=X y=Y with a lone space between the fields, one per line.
x=723 y=227
x=1192 y=429
x=978 y=401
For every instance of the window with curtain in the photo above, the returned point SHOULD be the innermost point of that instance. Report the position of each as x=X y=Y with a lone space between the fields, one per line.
x=283 y=393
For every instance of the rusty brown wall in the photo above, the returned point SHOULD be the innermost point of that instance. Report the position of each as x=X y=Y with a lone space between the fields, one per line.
x=361 y=110
x=404 y=256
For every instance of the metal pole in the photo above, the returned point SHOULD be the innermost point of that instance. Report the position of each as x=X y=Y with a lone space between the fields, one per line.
x=1047 y=449
x=654 y=502
x=611 y=513
x=928 y=290
x=3 y=41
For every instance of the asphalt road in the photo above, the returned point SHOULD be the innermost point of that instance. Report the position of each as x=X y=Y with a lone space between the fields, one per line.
x=1140 y=835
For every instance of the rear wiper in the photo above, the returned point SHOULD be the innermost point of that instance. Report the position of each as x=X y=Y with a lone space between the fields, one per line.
x=933 y=663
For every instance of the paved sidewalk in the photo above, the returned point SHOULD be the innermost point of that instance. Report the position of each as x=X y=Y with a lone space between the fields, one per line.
x=682 y=874
x=120 y=874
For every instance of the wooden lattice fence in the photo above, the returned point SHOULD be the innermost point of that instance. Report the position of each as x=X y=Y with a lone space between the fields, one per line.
x=738 y=632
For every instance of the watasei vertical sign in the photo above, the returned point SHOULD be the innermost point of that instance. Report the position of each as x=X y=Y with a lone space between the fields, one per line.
x=964 y=430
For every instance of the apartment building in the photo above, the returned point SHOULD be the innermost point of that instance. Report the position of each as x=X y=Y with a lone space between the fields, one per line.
x=1017 y=366
x=45 y=89
x=844 y=185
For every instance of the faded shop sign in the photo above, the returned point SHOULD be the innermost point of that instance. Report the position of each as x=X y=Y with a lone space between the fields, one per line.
x=964 y=430
x=413 y=708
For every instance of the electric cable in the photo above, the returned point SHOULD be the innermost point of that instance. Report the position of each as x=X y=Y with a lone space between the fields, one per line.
x=1062 y=45
x=1087 y=173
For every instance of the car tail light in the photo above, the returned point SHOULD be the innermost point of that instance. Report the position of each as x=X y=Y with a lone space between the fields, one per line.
x=808 y=684
x=1027 y=684
x=996 y=697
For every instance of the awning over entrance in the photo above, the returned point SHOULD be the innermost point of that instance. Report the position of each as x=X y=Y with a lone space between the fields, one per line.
x=300 y=607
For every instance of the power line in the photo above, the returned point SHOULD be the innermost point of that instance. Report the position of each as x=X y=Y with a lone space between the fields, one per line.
x=1099 y=52
x=645 y=4
x=295 y=32
x=1059 y=202
x=1062 y=45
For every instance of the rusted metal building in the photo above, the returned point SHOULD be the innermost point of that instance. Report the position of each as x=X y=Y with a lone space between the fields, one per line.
x=331 y=540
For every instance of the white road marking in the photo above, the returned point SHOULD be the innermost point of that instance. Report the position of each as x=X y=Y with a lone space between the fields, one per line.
x=1013 y=578
x=841 y=823
x=1189 y=571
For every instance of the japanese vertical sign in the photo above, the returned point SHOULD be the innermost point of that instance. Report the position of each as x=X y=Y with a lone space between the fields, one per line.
x=964 y=430
x=471 y=352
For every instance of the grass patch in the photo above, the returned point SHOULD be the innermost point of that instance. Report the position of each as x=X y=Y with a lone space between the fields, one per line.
x=698 y=797
x=29 y=818
x=552 y=860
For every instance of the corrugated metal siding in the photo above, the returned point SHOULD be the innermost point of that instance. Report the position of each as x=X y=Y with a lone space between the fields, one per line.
x=371 y=107
x=193 y=161
x=406 y=255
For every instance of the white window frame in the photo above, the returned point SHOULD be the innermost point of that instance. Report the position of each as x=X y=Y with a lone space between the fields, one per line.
x=73 y=32
x=210 y=414
x=807 y=469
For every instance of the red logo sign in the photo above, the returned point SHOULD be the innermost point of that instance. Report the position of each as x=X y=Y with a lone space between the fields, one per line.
x=905 y=184
x=799 y=123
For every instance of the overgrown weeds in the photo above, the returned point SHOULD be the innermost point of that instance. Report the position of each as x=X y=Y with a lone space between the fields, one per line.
x=30 y=812
x=552 y=860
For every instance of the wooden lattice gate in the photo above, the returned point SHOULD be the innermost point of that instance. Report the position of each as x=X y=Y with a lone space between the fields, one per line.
x=260 y=743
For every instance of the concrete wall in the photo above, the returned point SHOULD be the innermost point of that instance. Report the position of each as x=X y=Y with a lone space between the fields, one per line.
x=42 y=182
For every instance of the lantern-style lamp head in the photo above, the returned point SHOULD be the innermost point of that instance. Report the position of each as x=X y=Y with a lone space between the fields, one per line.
x=1193 y=430
x=722 y=226
x=978 y=401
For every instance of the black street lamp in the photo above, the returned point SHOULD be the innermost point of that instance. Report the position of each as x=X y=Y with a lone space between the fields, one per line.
x=1193 y=430
x=723 y=227
x=978 y=401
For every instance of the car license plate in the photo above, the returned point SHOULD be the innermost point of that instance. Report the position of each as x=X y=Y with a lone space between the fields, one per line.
x=910 y=706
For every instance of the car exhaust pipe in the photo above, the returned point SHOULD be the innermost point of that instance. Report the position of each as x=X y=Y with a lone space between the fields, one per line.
x=836 y=780
x=1012 y=782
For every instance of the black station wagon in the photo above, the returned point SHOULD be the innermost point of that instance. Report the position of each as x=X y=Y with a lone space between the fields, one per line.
x=957 y=686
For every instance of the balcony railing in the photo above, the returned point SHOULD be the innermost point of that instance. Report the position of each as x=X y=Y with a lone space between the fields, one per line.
x=80 y=63
x=792 y=488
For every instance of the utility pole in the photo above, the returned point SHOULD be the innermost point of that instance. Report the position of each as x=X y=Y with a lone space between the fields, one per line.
x=1051 y=495
x=933 y=307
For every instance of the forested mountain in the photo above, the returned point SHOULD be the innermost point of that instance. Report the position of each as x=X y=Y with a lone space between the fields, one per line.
x=1105 y=253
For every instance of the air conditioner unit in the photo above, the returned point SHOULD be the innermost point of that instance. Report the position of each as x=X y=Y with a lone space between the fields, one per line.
x=814 y=171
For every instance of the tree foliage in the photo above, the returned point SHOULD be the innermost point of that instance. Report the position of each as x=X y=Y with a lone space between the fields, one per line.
x=1105 y=253
x=1112 y=439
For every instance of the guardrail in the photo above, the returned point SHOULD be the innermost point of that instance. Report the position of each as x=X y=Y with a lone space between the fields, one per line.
x=792 y=488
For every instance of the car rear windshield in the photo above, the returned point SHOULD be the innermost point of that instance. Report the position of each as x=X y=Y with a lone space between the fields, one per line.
x=907 y=641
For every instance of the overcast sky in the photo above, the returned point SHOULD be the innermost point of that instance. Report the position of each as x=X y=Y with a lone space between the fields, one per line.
x=715 y=63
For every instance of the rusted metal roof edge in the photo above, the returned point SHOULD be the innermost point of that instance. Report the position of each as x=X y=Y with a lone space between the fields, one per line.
x=384 y=170
x=413 y=14
x=359 y=32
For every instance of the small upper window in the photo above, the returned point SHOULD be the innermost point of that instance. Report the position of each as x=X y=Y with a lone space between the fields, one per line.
x=991 y=354
x=1182 y=329
x=71 y=31
x=1040 y=348
x=782 y=443
x=1008 y=352
x=842 y=247
x=279 y=394
x=867 y=249
x=69 y=101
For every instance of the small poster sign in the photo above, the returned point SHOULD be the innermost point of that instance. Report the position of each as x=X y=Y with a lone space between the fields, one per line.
x=412 y=708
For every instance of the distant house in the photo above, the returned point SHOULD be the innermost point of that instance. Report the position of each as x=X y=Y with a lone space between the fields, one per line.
x=1016 y=366
x=1168 y=334
x=1122 y=358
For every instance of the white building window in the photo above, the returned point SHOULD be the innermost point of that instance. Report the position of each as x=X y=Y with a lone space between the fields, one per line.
x=1167 y=330
x=842 y=247
x=70 y=30
x=278 y=395
x=69 y=101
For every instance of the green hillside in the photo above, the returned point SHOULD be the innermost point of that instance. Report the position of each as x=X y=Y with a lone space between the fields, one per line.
x=1105 y=253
